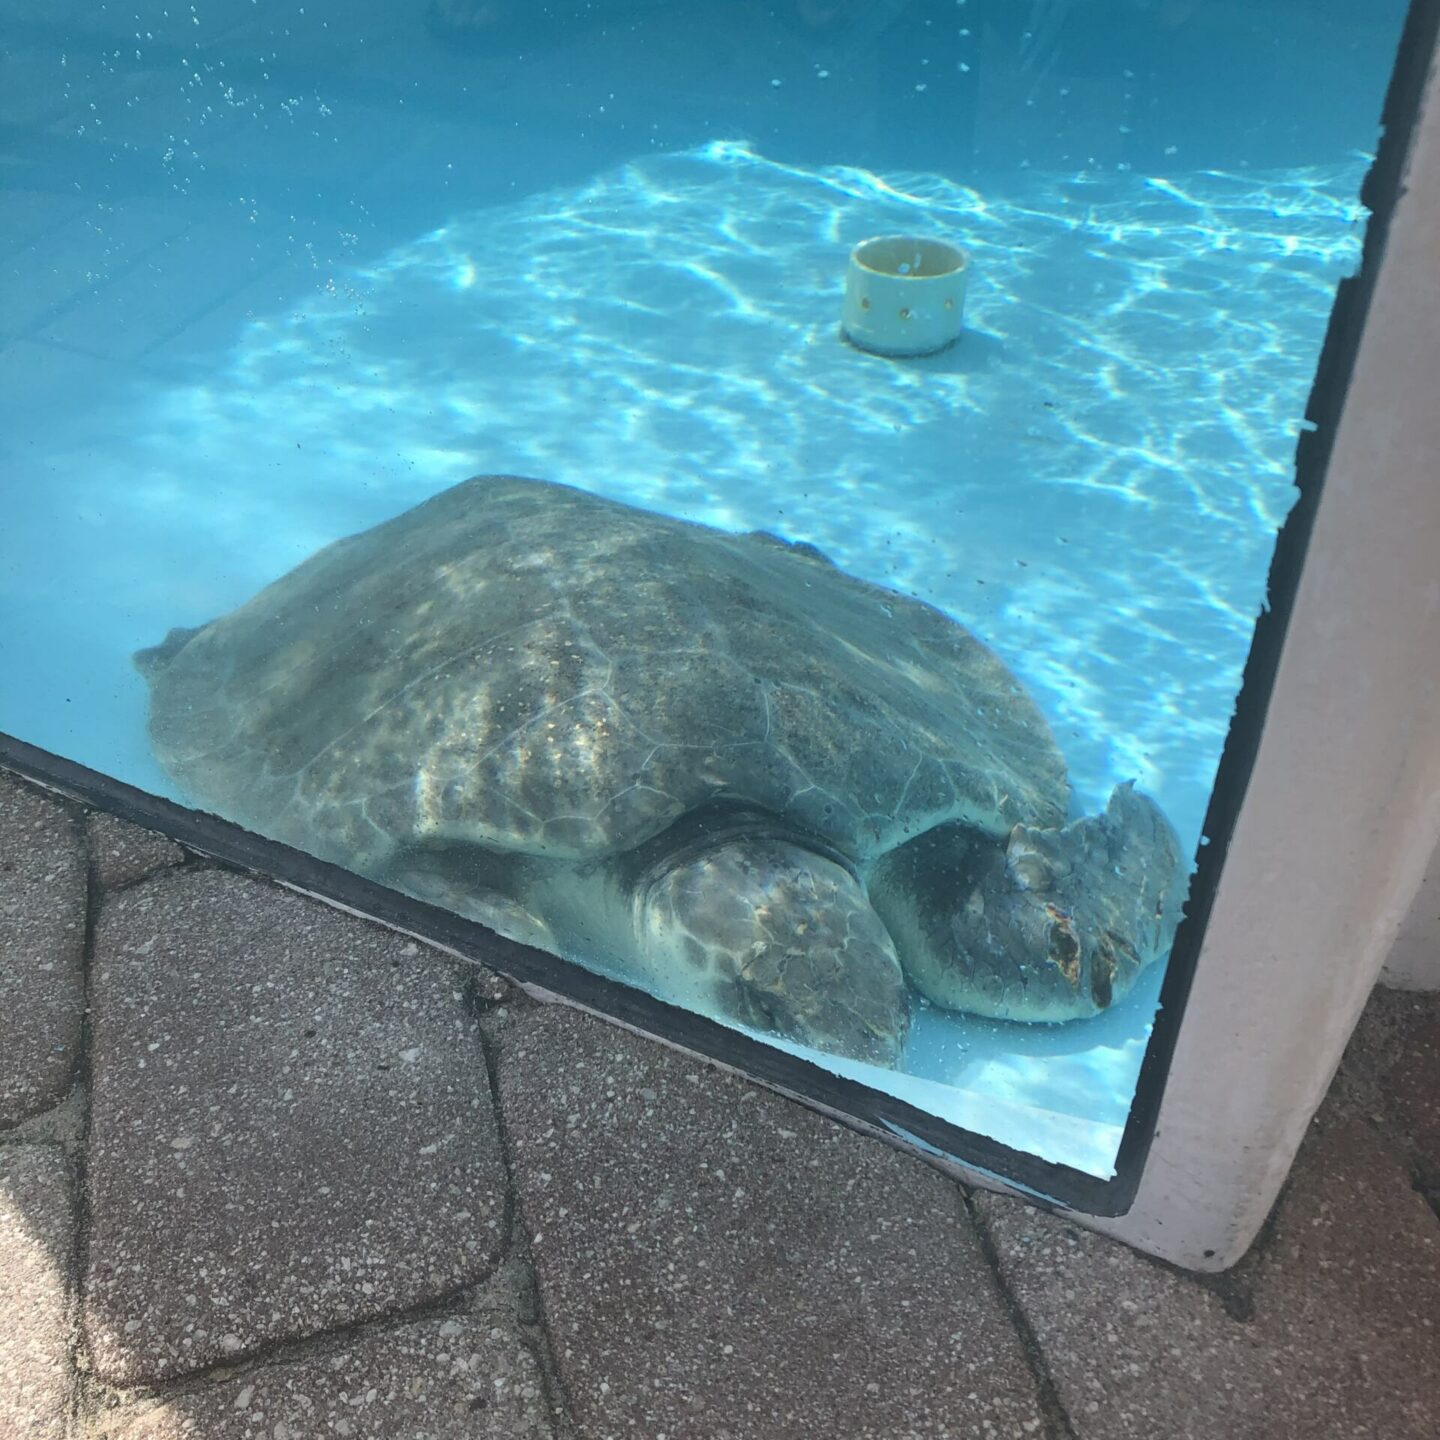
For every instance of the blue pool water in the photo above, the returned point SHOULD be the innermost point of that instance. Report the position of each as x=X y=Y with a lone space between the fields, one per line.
x=218 y=359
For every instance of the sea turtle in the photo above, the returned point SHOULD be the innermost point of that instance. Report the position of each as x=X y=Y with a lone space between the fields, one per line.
x=715 y=762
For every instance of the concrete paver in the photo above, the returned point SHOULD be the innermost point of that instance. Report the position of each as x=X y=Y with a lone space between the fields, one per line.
x=42 y=938
x=1344 y=1339
x=123 y=853
x=291 y=1144
x=717 y=1262
x=35 y=1257
x=1392 y=1069
x=1347 y=1291
x=291 y=1126
x=461 y=1378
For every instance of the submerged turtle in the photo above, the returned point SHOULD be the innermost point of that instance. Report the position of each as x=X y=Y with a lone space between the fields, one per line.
x=760 y=786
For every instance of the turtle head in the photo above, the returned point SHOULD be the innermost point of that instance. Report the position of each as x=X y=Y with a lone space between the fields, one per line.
x=153 y=659
x=1091 y=903
x=1049 y=924
x=761 y=930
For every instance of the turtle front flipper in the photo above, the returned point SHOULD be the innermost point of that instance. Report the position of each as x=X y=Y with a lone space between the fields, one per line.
x=1051 y=924
x=760 y=930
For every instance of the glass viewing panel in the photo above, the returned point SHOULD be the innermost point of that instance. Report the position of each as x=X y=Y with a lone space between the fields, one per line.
x=908 y=393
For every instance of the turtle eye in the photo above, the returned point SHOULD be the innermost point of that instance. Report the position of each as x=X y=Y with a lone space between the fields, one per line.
x=1027 y=867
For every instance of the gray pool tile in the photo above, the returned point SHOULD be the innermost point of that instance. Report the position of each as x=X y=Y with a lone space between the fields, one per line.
x=42 y=939
x=46 y=390
x=70 y=268
x=74 y=17
x=201 y=352
x=461 y=1378
x=36 y=1239
x=312 y=38
x=31 y=88
x=291 y=1125
x=324 y=139
x=30 y=213
x=714 y=1261
x=175 y=283
x=123 y=853
x=1343 y=1341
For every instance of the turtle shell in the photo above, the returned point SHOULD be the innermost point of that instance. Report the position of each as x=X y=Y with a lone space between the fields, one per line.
x=532 y=668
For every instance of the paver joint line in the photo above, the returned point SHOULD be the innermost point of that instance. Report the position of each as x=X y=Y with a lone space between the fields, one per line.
x=43 y=885
x=1057 y=1422
x=315 y=1346
x=495 y=1014
x=81 y=1254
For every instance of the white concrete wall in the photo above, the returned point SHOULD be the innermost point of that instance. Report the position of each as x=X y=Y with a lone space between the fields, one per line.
x=1414 y=959
x=1342 y=814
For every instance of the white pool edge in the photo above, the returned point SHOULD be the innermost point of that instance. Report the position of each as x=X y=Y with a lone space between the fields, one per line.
x=1342 y=813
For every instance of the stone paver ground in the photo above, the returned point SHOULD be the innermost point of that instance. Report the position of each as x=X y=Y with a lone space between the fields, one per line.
x=267 y=1170
x=36 y=1244
x=42 y=938
x=276 y=1148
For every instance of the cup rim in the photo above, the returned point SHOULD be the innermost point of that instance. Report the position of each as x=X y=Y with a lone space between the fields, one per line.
x=941 y=251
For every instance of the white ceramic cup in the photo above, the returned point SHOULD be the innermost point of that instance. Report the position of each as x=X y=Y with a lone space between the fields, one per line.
x=904 y=295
